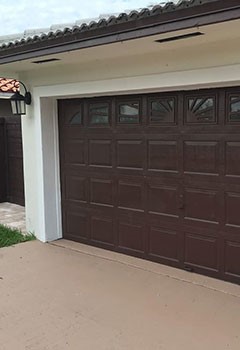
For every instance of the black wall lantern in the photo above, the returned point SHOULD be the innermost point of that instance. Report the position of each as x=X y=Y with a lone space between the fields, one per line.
x=19 y=102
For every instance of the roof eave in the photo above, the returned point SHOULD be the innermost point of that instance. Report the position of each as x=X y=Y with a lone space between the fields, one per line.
x=196 y=16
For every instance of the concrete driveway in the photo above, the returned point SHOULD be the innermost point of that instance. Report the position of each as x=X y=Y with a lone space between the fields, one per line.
x=70 y=296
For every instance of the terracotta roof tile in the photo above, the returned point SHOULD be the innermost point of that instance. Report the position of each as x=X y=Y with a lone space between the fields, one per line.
x=61 y=31
x=9 y=85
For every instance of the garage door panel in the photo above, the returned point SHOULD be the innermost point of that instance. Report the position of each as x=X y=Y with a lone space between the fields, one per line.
x=163 y=200
x=163 y=156
x=232 y=159
x=131 y=237
x=232 y=258
x=130 y=194
x=102 y=230
x=201 y=157
x=130 y=154
x=201 y=251
x=164 y=244
x=100 y=153
x=76 y=188
x=232 y=207
x=74 y=152
x=102 y=192
x=76 y=224
x=201 y=206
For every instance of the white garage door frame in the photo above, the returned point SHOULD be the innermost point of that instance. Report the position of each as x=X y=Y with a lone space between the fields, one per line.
x=41 y=141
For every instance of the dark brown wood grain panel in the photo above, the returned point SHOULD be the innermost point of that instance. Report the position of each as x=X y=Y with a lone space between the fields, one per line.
x=159 y=180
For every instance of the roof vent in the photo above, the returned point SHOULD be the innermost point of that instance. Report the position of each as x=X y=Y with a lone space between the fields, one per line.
x=179 y=37
x=46 y=60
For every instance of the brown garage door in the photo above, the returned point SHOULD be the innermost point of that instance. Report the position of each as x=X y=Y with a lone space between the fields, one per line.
x=156 y=176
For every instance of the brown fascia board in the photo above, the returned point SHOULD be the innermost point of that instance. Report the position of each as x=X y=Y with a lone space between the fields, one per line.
x=94 y=35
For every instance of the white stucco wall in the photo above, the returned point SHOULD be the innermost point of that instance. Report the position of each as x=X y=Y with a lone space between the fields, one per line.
x=173 y=70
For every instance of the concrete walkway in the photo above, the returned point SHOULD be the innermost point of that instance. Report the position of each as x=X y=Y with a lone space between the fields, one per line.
x=69 y=296
x=13 y=215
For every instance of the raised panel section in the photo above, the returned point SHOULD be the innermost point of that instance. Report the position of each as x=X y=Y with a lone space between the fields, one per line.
x=201 y=157
x=74 y=152
x=130 y=154
x=130 y=195
x=232 y=205
x=162 y=156
x=163 y=244
x=201 y=251
x=76 y=188
x=76 y=224
x=232 y=151
x=162 y=200
x=102 y=230
x=232 y=258
x=201 y=205
x=101 y=192
x=131 y=237
x=100 y=153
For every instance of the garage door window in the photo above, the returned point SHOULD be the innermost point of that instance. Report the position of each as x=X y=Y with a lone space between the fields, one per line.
x=128 y=113
x=76 y=118
x=201 y=110
x=234 y=108
x=162 y=110
x=99 y=114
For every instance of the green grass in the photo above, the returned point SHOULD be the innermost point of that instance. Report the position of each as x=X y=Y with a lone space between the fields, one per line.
x=10 y=236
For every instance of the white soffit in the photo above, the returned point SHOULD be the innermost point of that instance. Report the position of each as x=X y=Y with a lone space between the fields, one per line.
x=217 y=33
